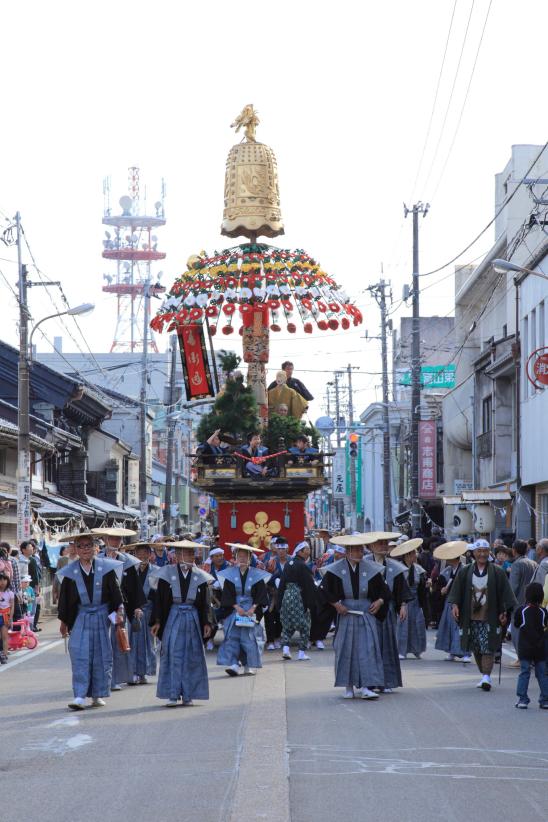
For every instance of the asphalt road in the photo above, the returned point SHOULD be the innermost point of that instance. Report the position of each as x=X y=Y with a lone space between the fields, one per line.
x=281 y=746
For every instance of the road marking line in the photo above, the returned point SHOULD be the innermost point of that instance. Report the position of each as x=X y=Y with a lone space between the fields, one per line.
x=264 y=749
x=26 y=655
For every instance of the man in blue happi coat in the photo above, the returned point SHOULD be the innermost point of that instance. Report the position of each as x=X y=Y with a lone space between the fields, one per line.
x=90 y=600
x=181 y=617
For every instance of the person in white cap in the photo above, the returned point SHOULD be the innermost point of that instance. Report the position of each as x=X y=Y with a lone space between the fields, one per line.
x=411 y=632
x=244 y=598
x=481 y=596
x=356 y=589
x=181 y=616
x=90 y=599
x=448 y=635
x=297 y=593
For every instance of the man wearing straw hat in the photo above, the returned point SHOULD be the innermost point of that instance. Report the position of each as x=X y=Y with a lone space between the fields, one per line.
x=244 y=598
x=134 y=597
x=394 y=575
x=181 y=617
x=90 y=596
x=448 y=635
x=356 y=589
x=411 y=632
x=481 y=596
x=142 y=656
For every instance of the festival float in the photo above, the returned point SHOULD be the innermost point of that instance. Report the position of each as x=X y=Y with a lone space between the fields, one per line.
x=251 y=290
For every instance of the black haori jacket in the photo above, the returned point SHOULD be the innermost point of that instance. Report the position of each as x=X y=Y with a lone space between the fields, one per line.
x=500 y=599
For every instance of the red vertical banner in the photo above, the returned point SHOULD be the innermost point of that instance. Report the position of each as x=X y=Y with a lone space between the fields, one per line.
x=196 y=372
x=427 y=458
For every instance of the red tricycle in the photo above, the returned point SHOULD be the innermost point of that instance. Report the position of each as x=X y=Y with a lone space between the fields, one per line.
x=21 y=635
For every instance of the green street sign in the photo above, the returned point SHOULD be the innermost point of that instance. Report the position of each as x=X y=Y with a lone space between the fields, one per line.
x=433 y=376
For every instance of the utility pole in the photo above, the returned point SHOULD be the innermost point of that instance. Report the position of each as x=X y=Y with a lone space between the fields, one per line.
x=143 y=417
x=171 y=423
x=353 y=462
x=379 y=293
x=418 y=208
x=24 y=480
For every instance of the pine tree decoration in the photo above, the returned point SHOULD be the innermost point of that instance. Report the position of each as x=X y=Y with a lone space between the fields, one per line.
x=235 y=411
x=287 y=428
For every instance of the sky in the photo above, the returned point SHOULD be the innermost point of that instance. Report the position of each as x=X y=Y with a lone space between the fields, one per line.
x=346 y=94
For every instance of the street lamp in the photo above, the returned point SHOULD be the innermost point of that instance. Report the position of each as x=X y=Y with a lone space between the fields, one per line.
x=502 y=266
x=85 y=308
x=24 y=478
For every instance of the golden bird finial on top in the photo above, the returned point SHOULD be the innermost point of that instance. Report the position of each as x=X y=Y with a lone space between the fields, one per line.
x=249 y=119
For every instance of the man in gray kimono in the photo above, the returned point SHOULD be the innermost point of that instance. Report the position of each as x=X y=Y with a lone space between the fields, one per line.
x=134 y=598
x=355 y=588
x=395 y=577
x=90 y=598
x=181 y=616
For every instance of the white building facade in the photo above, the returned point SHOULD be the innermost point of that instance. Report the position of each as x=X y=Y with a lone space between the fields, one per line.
x=493 y=418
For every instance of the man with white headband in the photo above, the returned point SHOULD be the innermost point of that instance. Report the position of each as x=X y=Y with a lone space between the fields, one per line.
x=297 y=593
x=181 y=616
x=481 y=596
x=276 y=560
x=244 y=598
x=356 y=589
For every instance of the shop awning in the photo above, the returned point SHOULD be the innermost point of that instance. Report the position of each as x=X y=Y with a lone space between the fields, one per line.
x=482 y=495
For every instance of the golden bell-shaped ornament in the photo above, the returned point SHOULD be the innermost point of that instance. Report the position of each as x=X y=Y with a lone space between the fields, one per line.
x=252 y=196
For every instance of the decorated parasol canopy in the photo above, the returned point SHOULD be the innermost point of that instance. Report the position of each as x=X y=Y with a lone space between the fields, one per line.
x=254 y=288
x=227 y=287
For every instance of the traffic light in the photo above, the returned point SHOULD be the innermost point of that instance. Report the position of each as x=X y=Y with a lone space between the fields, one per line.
x=353 y=440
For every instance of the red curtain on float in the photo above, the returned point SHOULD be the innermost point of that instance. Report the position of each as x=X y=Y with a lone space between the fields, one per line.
x=259 y=520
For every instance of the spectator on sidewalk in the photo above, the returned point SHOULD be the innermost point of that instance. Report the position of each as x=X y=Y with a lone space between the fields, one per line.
x=13 y=555
x=28 y=597
x=542 y=557
x=7 y=604
x=532 y=621
x=521 y=574
x=29 y=550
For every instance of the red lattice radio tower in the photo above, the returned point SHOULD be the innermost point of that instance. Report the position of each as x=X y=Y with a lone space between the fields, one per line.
x=133 y=246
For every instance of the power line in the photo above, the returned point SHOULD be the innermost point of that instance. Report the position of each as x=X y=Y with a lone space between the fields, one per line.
x=464 y=101
x=451 y=93
x=65 y=301
x=436 y=93
x=506 y=201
